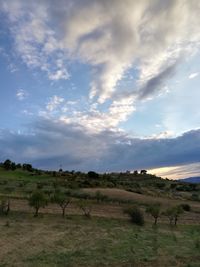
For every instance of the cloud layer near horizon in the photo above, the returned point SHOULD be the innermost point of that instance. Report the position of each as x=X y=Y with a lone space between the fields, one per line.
x=55 y=143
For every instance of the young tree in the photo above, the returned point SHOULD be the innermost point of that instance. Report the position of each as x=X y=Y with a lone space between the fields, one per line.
x=93 y=175
x=173 y=214
x=37 y=200
x=178 y=210
x=62 y=200
x=169 y=213
x=86 y=207
x=143 y=172
x=155 y=211
x=7 y=164
x=28 y=167
x=4 y=206
x=13 y=166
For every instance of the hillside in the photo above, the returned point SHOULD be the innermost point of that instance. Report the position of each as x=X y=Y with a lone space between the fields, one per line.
x=105 y=237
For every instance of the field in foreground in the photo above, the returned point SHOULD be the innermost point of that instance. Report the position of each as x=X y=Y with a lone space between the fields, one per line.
x=76 y=241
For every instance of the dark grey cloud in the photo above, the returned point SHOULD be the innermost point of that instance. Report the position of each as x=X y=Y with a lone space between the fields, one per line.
x=155 y=84
x=55 y=143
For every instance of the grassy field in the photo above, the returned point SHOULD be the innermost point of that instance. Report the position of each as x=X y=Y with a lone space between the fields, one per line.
x=76 y=241
x=108 y=238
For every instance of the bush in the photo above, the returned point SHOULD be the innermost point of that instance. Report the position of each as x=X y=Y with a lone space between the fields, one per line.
x=195 y=197
x=136 y=215
x=186 y=207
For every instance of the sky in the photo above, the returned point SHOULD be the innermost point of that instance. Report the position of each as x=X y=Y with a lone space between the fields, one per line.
x=103 y=85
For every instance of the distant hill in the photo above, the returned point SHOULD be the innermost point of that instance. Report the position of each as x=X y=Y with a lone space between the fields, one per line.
x=195 y=180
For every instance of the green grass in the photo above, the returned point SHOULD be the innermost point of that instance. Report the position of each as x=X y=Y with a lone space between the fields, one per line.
x=22 y=175
x=76 y=241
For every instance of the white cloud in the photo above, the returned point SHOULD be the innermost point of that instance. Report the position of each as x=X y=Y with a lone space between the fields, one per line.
x=110 y=35
x=58 y=75
x=21 y=94
x=95 y=121
x=54 y=102
x=193 y=75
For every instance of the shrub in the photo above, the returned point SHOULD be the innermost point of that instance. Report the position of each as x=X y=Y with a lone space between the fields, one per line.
x=136 y=215
x=186 y=207
x=195 y=197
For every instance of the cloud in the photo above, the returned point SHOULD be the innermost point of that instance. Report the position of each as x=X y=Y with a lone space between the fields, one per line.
x=155 y=84
x=111 y=36
x=48 y=144
x=35 y=42
x=21 y=94
x=193 y=75
x=178 y=172
x=54 y=102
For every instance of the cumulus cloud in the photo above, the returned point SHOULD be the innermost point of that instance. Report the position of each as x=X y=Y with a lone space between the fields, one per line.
x=48 y=144
x=110 y=35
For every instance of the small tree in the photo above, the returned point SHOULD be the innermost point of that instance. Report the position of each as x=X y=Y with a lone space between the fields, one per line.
x=86 y=207
x=7 y=164
x=178 y=210
x=27 y=167
x=62 y=200
x=155 y=211
x=143 y=172
x=93 y=175
x=169 y=213
x=100 y=197
x=13 y=166
x=4 y=206
x=37 y=200
x=173 y=214
x=136 y=215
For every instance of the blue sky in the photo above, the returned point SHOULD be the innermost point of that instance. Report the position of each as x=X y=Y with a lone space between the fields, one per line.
x=104 y=85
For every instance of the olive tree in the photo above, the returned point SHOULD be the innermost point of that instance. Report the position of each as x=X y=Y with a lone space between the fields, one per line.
x=4 y=206
x=62 y=200
x=174 y=213
x=155 y=211
x=86 y=207
x=37 y=200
